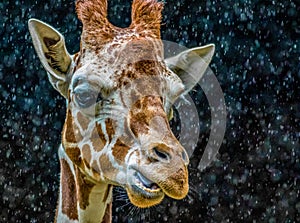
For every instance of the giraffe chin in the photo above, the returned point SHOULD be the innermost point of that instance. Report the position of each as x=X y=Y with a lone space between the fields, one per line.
x=143 y=192
x=144 y=199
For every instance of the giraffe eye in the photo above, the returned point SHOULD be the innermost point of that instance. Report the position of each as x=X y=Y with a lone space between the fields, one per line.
x=87 y=98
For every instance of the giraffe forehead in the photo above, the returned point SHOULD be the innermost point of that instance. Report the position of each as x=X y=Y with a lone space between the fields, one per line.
x=126 y=48
x=122 y=39
x=127 y=56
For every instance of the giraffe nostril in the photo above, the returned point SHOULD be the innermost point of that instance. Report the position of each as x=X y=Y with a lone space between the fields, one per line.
x=162 y=155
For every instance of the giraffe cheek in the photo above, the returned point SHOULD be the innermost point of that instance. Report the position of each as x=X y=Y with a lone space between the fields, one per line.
x=107 y=168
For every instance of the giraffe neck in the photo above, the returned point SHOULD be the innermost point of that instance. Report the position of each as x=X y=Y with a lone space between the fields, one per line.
x=81 y=200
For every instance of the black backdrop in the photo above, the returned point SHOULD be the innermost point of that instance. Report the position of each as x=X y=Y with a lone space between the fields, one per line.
x=257 y=62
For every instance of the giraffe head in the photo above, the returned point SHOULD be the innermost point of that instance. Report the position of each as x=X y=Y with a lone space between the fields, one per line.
x=119 y=93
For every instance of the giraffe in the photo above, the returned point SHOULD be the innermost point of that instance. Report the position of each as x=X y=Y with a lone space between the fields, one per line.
x=119 y=91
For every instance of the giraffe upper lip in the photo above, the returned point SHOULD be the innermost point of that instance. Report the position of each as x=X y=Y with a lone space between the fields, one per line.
x=145 y=184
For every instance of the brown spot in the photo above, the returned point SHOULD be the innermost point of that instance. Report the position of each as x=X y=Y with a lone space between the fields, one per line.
x=84 y=189
x=75 y=155
x=69 y=198
x=86 y=154
x=109 y=128
x=83 y=121
x=71 y=132
x=119 y=151
x=97 y=132
x=105 y=163
x=106 y=166
x=143 y=111
x=138 y=123
x=97 y=144
x=95 y=168
x=125 y=77
x=68 y=129
x=146 y=67
x=98 y=138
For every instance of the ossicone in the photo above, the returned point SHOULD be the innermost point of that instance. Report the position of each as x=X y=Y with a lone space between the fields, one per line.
x=146 y=16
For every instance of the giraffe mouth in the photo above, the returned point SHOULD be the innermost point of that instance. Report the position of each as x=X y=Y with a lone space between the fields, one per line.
x=143 y=183
x=142 y=191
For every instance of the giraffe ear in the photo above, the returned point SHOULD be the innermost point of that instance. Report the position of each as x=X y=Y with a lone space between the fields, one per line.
x=50 y=47
x=191 y=64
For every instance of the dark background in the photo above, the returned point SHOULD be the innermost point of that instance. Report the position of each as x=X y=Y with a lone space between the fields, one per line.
x=257 y=62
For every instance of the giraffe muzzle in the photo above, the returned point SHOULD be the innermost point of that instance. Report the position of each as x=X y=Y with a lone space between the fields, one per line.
x=142 y=191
